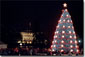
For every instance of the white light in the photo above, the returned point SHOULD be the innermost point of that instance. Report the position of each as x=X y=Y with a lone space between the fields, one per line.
x=62 y=36
x=55 y=41
x=51 y=46
x=70 y=36
x=58 y=26
x=66 y=10
x=62 y=41
x=68 y=26
x=72 y=27
x=62 y=50
x=76 y=46
x=59 y=20
x=57 y=31
x=52 y=41
x=71 y=41
x=67 y=15
x=75 y=41
x=77 y=50
x=75 y=37
x=63 y=31
x=61 y=45
x=20 y=44
x=65 y=5
x=79 y=41
x=71 y=21
x=71 y=46
x=68 y=21
x=73 y=32
x=71 y=50
x=63 y=26
x=69 y=31
x=55 y=36
x=53 y=50
x=64 y=20
x=62 y=14
x=54 y=45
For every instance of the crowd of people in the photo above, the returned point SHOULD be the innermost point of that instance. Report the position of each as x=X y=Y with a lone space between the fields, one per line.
x=30 y=52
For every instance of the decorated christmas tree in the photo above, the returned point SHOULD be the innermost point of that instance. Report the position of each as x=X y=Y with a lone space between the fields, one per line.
x=65 y=39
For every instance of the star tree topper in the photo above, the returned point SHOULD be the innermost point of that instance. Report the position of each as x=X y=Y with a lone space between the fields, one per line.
x=65 y=5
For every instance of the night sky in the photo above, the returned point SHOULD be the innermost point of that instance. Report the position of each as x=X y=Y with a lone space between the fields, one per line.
x=44 y=16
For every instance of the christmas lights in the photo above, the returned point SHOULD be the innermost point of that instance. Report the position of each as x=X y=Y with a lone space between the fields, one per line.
x=71 y=50
x=70 y=32
x=71 y=41
x=54 y=45
x=77 y=50
x=58 y=26
x=76 y=46
x=63 y=26
x=71 y=46
x=74 y=37
x=68 y=21
x=55 y=36
x=64 y=20
x=68 y=26
x=63 y=31
x=62 y=41
x=73 y=32
x=53 y=50
x=62 y=36
x=57 y=31
x=61 y=45
x=70 y=36
x=76 y=42
x=62 y=50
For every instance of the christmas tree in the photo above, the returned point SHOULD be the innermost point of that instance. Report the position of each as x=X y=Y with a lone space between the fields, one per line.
x=65 y=39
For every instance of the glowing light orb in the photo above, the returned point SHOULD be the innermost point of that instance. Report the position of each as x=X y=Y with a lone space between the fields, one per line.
x=68 y=21
x=77 y=46
x=64 y=20
x=65 y=5
x=63 y=26
x=75 y=37
x=54 y=45
x=71 y=21
x=69 y=27
x=76 y=42
x=70 y=32
x=71 y=50
x=52 y=41
x=57 y=31
x=62 y=41
x=62 y=50
x=55 y=41
x=73 y=32
x=70 y=36
x=71 y=46
x=72 y=27
x=63 y=31
x=71 y=41
x=59 y=21
x=67 y=15
x=79 y=41
x=58 y=26
x=62 y=36
x=66 y=10
x=53 y=50
x=62 y=45
x=77 y=50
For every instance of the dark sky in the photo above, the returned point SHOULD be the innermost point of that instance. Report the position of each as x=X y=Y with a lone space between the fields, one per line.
x=44 y=15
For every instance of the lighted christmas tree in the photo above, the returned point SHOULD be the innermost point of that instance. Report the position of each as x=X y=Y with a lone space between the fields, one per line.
x=65 y=39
